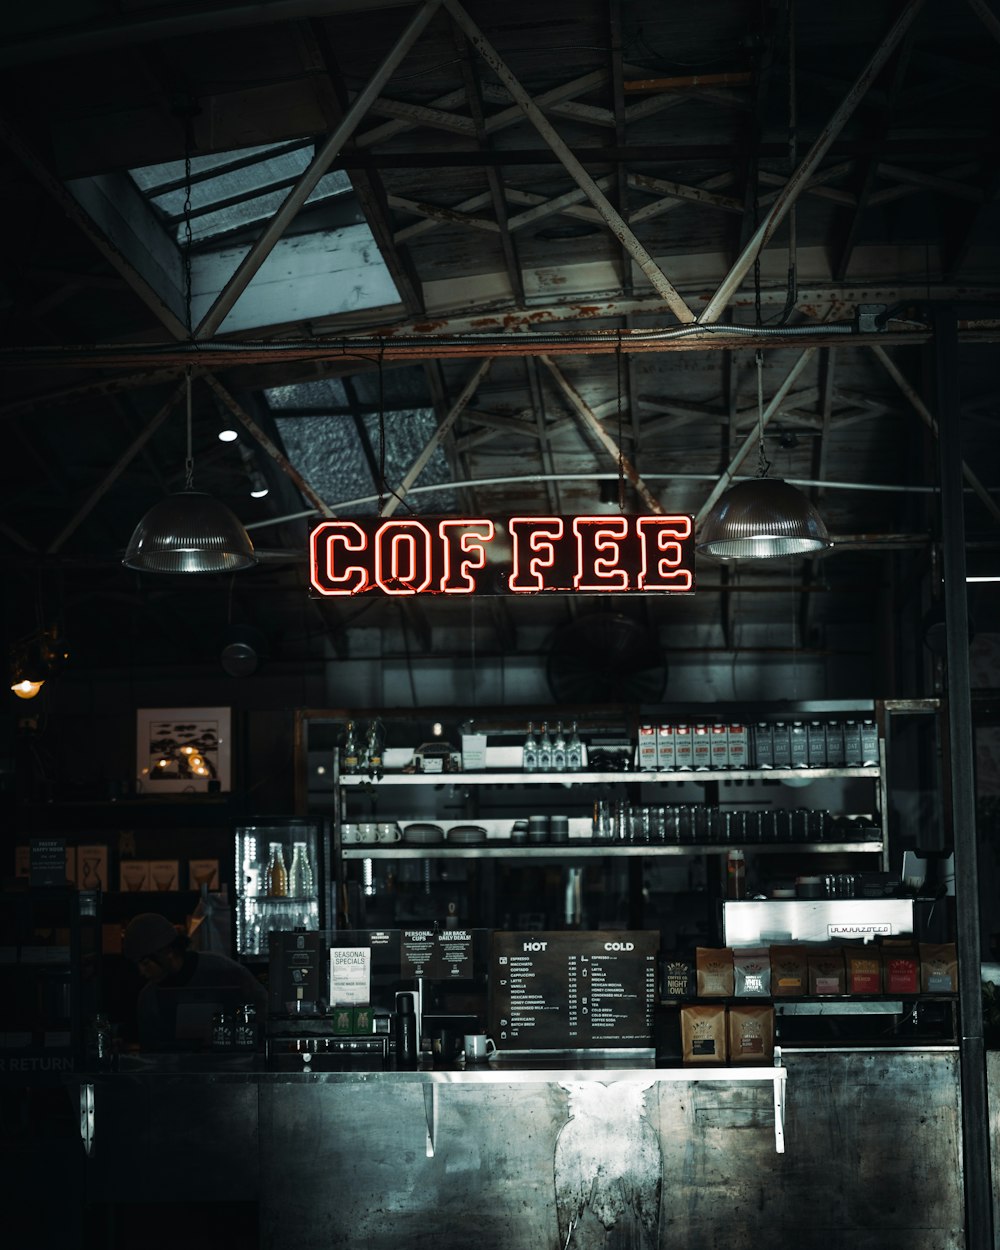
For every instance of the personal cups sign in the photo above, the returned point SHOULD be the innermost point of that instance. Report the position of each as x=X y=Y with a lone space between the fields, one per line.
x=478 y=1047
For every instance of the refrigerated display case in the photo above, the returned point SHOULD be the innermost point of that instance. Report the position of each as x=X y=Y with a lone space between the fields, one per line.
x=279 y=867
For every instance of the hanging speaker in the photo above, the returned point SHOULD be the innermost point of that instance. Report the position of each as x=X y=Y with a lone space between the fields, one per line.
x=243 y=649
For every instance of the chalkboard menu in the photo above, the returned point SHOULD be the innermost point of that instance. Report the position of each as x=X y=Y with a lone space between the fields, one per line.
x=572 y=990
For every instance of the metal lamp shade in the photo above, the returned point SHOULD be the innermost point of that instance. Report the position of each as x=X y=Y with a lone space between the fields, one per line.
x=189 y=532
x=760 y=519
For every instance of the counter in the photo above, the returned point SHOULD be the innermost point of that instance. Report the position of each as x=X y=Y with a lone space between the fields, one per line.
x=591 y=1154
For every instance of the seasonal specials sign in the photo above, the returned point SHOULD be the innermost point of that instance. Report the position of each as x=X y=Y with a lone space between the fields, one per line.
x=521 y=555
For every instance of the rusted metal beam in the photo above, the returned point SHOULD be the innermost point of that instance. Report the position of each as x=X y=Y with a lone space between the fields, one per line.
x=447 y=215
x=658 y=279
x=800 y=178
x=591 y=422
x=435 y=440
x=886 y=194
x=680 y=191
x=321 y=162
x=567 y=205
x=815 y=185
x=474 y=96
x=932 y=182
x=560 y=203
x=367 y=184
x=423 y=115
x=684 y=81
x=469 y=205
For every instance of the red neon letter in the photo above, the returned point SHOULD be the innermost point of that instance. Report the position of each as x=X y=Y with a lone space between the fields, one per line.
x=400 y=544
x=476 y=535
x=659 y=537
x=541 y=533
x=600 y=533
x=353 y=580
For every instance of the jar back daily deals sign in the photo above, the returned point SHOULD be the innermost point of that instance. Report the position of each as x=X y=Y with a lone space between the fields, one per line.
x=572 y=990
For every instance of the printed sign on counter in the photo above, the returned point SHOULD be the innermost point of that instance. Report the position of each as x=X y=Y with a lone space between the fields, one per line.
x=441 y=955
x=350 y=975
x=573 y=990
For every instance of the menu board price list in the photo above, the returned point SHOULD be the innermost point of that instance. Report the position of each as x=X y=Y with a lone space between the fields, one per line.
x=573 y=990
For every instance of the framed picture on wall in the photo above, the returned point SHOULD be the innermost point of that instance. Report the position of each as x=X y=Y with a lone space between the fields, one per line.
x=183 y=750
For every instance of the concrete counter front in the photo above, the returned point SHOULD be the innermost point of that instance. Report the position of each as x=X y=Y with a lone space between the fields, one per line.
x=590 y=1157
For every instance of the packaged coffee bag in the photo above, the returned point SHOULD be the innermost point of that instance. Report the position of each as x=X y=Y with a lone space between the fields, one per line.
x=789 y=971
x=900 y=966
x=751 y=1034
x=714 y=971
x=677 y=975
x=703 y=1034
x=826 y=971
x=864 y=969
x=752 y=972
x=938 y=968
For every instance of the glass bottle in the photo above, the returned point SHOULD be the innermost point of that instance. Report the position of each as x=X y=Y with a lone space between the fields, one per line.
x=350 y=759
x=373 y=751
x=529 y=760
x=559 y=749
x=300 y=877
x=574 y=751
x=277 y=873
x=544 y=749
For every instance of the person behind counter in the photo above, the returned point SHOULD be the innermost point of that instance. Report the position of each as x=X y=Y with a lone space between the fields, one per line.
x=184 y=988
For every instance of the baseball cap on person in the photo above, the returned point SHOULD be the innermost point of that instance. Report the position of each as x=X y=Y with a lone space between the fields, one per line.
x=147 y=933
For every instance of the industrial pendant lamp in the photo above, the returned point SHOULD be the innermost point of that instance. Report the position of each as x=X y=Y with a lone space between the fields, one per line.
x=189 y=532
x=764 y=517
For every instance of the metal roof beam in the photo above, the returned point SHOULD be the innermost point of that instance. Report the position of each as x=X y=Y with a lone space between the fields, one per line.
x=435 y=440
x=658 y=279
x=811 y=162
x=324 y=158
x=591 y=422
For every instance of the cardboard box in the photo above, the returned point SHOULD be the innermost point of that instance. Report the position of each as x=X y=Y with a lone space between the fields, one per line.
x=163 y=874
x=133 y=875
x=203 y=872
x=92 y=868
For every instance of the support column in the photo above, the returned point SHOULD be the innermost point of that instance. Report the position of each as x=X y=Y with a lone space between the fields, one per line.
x=975 y=1117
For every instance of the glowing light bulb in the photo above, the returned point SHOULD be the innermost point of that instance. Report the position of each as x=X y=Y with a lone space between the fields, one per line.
x=27 y=689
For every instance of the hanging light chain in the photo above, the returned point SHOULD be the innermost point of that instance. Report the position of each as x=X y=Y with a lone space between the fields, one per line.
x=188 y=243
x=189 y=459
x=763 y=464
x=621 y=440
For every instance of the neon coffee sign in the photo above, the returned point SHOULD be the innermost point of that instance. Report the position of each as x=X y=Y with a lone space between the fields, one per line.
x=521 y=555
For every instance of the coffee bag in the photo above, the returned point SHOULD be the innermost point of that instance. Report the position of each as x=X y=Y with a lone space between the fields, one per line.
x=752 y=972
x=751 y=1034
x=714 y=971
x=703 y=1034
